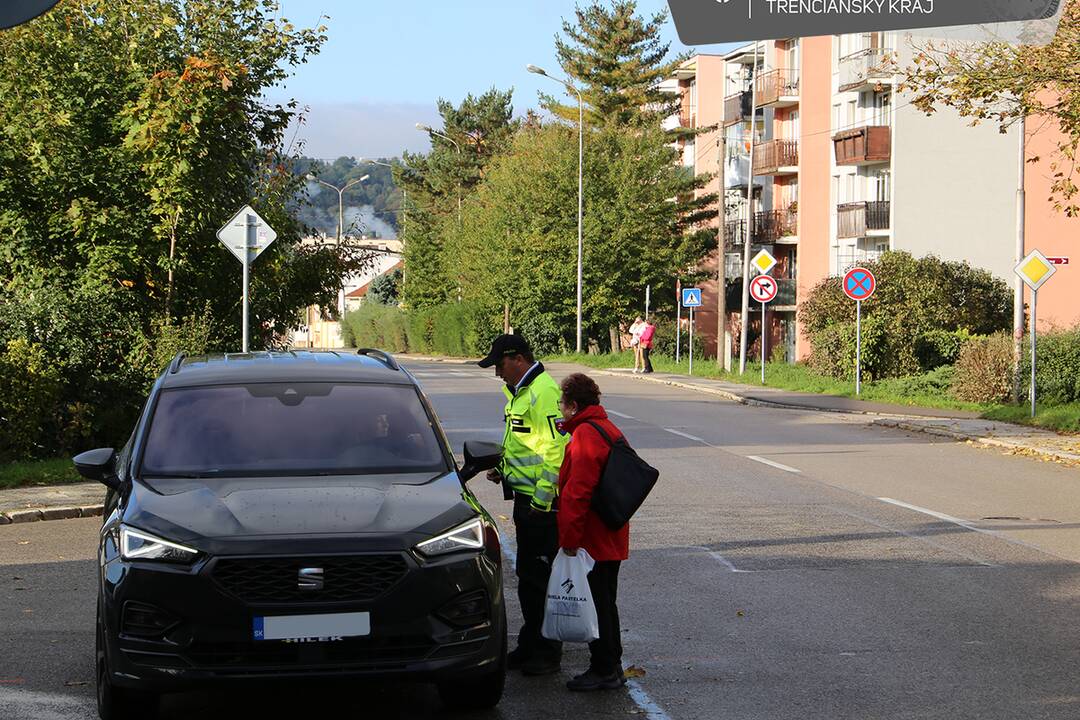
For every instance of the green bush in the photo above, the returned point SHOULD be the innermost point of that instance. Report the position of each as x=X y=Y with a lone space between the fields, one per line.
x=377 y=326
x=984 y=369
x=1057 y=375
x=30 y=396
x=922 y=313
x=936 y=383
x=458 y=329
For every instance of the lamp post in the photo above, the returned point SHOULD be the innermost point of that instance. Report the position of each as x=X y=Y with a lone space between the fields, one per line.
x=341 y=220
x=432 y=131
x=580 y=195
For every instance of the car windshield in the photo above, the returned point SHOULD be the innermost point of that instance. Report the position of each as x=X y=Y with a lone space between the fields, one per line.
x=291 y=429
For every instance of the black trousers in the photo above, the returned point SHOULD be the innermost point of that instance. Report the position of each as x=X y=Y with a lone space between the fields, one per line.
x=645 y=356
x=537 y=545
x=606 y=651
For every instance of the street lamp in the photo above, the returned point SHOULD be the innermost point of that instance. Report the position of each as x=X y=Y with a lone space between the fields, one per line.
x=432 y=131
x=341 y=219
x=581 y=162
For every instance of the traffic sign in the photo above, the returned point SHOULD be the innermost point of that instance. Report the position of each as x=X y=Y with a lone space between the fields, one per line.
x=691 y=297
x=1058 y=260
x=763 y=261
x=859 y=284
x=1035 y=269
x=246 y=230
x=763 y=288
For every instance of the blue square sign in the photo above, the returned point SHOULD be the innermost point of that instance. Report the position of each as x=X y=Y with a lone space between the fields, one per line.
x=691 y=297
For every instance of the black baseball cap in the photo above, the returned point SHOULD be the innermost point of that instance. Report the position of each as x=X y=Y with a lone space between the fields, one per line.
x=505 y=346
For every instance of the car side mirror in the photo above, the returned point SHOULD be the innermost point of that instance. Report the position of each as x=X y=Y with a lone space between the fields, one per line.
x=480 y=456
x=99 y=465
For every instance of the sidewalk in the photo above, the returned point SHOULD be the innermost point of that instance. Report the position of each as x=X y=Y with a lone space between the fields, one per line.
x=956 y=424
x=51 y=502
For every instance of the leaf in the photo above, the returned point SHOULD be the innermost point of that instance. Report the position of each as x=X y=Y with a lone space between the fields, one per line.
x=634 y=672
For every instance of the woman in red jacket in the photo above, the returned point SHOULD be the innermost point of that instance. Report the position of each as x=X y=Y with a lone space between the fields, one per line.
x=580 y=527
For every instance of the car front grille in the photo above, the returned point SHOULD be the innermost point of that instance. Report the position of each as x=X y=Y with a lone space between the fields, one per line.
x=277 y=580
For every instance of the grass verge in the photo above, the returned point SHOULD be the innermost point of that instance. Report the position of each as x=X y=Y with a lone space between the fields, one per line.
x=1065 y=418
x=58 y=471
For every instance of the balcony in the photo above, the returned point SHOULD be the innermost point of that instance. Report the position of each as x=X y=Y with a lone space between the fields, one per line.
x=786 y=295
x=865 y=69
x=778 y=88
x=688 y=116
x=863 y=146
x=862 y=219
x=776 y=157
x=775 y=225
x=737 y=108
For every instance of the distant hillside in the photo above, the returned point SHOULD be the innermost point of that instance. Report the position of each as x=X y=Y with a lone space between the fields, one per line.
x=371 y=207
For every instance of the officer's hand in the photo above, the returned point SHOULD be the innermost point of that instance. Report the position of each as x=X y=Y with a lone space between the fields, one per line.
x=494 y=476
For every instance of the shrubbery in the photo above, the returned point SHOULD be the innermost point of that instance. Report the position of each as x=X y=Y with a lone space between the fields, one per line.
x=922 y=313
x=984 y=369
x=1057 y=373
x=459 y=329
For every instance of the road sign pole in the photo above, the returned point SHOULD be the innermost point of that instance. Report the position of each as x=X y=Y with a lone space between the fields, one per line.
x=858 y=347
x=691 y=348
x=648 y=292
x=252 y=227
x=762 y=343
x=1034 y=295
x=678 y=329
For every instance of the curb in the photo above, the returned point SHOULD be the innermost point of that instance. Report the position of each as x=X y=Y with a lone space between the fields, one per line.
x=1071 y=458
x=67 y=512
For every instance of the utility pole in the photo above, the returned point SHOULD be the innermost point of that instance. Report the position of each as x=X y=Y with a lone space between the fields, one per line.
x=1018 y=284
x=745 y=315
x=722 y=358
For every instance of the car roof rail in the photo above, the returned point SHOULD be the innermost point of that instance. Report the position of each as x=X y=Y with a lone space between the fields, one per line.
x=174 y=366
x=386 y=357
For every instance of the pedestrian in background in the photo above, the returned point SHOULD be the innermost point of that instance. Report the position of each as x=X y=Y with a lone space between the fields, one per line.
x=635 y=343
x=645 y=341
x=533 y=447
x=581 y=527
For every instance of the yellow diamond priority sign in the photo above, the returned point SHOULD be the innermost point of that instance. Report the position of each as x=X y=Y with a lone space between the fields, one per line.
x=1035 y=269
x=763 y=261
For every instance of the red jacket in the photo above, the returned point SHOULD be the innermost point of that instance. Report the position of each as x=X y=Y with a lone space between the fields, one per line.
x=645 y=339
x=586 y=455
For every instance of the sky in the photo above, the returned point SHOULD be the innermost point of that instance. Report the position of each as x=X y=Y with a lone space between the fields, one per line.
x=386 y=63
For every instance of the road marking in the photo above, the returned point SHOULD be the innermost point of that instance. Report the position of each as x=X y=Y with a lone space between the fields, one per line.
x=619 y=414
x=719 y=558
x=932 y=513
x=914 y=536
x=771 y=463
x=688 y=436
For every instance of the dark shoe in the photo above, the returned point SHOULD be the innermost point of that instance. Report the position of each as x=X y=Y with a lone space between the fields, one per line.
x=592 y=680
x=541 y=666
x=516 y=659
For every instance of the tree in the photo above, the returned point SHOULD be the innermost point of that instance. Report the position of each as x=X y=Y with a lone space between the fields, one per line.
x=617 y=60
x=519 y=234
x=438 y=183
x=1003 y=83
x=385 y=288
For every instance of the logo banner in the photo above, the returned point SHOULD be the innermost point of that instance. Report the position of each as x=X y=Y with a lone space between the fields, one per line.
x=703 y=22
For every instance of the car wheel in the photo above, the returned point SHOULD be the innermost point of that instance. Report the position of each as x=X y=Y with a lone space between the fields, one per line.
x=481 y=692
x=118 y=703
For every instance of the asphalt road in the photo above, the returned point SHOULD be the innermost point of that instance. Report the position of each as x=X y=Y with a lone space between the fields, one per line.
x=790 y=564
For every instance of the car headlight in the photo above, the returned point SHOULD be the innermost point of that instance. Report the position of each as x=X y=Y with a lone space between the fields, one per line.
x=139 y=545
x=468 y=536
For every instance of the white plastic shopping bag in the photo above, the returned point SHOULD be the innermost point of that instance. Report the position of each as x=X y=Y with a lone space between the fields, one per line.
x=569 y=613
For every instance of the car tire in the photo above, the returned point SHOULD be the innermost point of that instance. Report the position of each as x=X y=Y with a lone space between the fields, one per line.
x=113 y=702
x=479 y=693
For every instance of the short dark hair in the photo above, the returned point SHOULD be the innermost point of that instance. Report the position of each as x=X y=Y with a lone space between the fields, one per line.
x=581 y=390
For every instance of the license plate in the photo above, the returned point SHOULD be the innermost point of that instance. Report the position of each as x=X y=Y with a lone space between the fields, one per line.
x=312 y=627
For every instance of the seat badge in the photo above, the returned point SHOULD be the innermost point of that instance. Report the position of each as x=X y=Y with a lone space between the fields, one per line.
x=310 y=578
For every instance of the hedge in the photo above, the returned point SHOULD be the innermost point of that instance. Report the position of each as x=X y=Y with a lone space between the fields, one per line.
x=458 y=329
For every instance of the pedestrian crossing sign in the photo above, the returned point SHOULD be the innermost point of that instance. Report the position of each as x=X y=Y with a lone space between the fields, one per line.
x=691 y=297
x=1035 y=269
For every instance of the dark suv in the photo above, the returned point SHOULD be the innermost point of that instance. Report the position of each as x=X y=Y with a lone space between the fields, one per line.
x=293 y=515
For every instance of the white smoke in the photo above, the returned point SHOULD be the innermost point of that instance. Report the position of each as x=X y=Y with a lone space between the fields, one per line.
x=363 y=220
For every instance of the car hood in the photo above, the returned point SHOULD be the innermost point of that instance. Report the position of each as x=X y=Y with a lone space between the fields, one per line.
x=248 y=508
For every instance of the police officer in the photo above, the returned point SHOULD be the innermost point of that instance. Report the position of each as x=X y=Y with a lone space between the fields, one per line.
x=533 y=446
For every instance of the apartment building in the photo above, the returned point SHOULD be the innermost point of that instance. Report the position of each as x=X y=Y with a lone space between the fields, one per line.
x=846 y=168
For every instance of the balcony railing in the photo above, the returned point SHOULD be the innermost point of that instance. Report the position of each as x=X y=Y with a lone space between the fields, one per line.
x=864 y=68
x=778 y=87
x=737 y=107
x=776 y=157
x=855 y=220
x=786 y=294
x=772 y=225
x=863 y=145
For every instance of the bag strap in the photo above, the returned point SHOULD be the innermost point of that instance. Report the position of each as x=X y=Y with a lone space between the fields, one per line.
x=601 y=431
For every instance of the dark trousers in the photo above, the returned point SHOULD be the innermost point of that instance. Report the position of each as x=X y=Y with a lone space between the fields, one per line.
x=537 y=545
x=606 y=651
x=645 y=356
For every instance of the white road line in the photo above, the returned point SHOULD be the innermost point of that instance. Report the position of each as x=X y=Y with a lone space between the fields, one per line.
x=914 y=536
x=718 y=558
x=771 y=463
x=688 y=436
x=619 y=414
x=931 y=513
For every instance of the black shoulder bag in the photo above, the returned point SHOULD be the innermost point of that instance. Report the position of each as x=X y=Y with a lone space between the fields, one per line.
x=624 y=483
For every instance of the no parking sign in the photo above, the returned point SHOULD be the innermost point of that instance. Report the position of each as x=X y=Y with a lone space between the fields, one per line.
x=859 y=284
